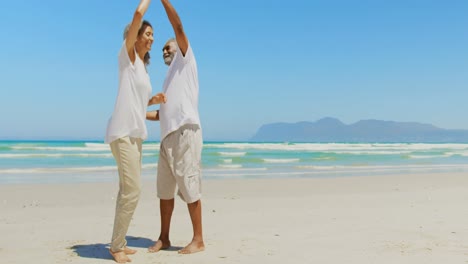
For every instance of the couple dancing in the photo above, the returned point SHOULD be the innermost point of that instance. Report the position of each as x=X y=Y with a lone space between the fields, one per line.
x=181 y=140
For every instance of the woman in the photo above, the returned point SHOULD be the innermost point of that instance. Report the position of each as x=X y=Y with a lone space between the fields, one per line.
x=126 y=129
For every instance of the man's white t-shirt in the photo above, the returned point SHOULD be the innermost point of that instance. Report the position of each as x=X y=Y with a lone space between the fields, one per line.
x=181 y=89
x=129 y=116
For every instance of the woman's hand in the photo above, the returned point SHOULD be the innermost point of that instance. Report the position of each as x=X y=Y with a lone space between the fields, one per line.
x=157 y=99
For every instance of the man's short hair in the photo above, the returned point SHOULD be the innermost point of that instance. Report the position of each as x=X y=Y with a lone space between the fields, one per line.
x=171 y=40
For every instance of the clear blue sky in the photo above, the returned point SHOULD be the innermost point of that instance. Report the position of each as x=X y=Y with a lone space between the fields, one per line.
x=259 y=62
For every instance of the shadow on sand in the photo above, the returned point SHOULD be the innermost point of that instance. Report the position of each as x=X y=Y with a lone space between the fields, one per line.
x=101 y=251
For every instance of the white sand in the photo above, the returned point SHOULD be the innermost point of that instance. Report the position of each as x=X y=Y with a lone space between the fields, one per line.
x=378 y=219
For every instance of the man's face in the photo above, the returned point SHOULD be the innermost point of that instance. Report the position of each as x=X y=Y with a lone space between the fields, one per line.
x=169 y=52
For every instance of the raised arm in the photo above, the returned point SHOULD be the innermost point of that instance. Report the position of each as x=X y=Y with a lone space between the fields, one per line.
x=181 y=38
x=132 y=33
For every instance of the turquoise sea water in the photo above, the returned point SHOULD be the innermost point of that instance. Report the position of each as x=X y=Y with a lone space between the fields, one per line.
x=87 y=161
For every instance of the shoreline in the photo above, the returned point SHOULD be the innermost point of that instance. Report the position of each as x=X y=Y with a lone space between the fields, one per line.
x=75 y=176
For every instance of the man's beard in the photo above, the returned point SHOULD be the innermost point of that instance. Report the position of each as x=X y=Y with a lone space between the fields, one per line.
x=168 y=59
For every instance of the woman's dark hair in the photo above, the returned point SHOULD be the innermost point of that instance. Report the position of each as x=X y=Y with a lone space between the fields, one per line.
x=144 y=25
x=142 y=29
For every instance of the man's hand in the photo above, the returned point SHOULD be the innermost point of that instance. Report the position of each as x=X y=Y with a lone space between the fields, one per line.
x=157 y=99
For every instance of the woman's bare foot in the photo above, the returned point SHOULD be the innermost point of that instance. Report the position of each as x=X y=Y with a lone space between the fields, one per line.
x=129 y=251
x=120 y=256
x=159 y=245
x=193 y=247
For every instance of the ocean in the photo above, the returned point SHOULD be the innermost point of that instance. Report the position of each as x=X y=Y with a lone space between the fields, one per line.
x=88 y=161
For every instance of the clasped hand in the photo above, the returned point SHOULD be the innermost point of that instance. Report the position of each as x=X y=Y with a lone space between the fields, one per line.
x=158 y=99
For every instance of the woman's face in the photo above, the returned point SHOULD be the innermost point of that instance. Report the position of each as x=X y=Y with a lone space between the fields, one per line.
x=145 y=40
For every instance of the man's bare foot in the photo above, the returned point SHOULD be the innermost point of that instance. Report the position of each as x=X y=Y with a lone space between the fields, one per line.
x=159 y=245
x=129 y=251
x=193 y=247
x=120 y=256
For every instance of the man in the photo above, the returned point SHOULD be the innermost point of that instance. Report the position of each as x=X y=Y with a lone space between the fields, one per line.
x=181 y=138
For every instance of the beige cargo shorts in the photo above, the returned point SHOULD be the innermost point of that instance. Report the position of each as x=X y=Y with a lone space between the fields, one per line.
x=180 y=164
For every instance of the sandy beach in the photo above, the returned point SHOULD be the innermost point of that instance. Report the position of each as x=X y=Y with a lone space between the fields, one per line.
x=370 y=219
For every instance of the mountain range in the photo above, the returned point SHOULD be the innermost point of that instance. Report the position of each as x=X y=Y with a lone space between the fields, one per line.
x=330 y=129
